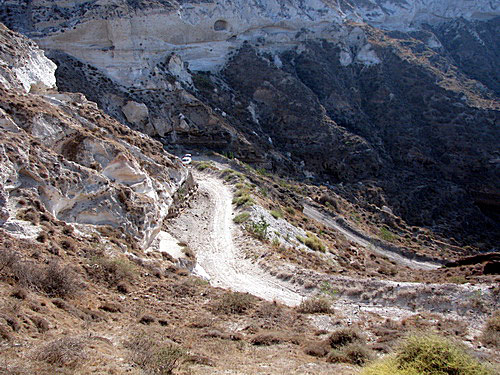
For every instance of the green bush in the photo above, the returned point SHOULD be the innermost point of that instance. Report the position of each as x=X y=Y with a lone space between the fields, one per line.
x=202 y=165
x=312 y=242
x=277 y=214
x=258 y=229
x=241 y=218
x=386 y=235
x=428 y=355
x=243 y=200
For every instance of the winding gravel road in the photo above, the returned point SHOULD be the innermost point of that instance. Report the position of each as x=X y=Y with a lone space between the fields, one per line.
x=208 y=229
x=330 y=222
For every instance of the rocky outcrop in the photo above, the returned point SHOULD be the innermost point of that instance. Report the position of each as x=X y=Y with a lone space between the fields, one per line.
x=23 y=65
x=127 y=38
x=392 y=103
x=63 y=158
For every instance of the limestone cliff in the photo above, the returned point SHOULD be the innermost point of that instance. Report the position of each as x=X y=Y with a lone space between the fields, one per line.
x=64 y=159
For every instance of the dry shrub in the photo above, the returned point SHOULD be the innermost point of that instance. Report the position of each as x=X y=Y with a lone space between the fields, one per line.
x=111 y=307
x=272 y=314
x=66 y=351
x=344 y=336
x=268 y=338
x=234 y=303
x=40 y=323
x=54 y=280
x=5 y=333
x=315 y=305
x=199 y=359
x=153 y=357
x=59 y=281
x=19 y=293
x=7 y=259
x=203 y=321
x=356 y=354
x=11 y=320
x=111 y=270
x=147 y=319
x=491 y=332
x=317 y=348
x=214 y=333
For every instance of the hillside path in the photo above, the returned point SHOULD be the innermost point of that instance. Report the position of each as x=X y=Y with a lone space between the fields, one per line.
x=330 y=222
x=207 y=227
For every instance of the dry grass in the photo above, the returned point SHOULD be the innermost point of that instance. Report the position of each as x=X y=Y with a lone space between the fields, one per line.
x=66 y=351
x=233 y=303
x=491 y=332
x=315 y=305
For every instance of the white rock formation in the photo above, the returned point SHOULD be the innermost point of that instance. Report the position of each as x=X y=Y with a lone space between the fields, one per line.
x=24 y=64
x=81 y=166
x=136 y=113
x=126 y=42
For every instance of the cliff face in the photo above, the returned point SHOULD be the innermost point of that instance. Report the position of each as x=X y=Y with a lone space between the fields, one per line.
x=126 y=39
x=394 y=97
x=63 y=159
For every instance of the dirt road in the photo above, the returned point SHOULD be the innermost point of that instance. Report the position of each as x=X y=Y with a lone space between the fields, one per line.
x=330 y=222
x=208 y=229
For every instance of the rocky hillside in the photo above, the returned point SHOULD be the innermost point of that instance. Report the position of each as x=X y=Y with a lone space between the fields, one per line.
x=63 y=159
x=112 y=263
x=390 y=103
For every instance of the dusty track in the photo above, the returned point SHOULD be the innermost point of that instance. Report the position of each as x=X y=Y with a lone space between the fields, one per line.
x=330 y=222
x=208 y=229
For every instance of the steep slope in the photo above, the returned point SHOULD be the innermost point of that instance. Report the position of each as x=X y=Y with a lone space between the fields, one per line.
x=392 y=103
x=64 y=159
x=82 y=197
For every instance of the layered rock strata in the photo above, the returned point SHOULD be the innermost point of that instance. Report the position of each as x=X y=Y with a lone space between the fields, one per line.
x=61 y=157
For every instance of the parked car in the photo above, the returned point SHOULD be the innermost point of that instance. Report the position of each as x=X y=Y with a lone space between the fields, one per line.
x=186 y=159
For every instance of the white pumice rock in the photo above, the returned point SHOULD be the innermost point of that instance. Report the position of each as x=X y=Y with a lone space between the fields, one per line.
x=127 y=43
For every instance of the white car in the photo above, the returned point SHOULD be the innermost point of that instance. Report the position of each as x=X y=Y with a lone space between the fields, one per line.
x=186 y=159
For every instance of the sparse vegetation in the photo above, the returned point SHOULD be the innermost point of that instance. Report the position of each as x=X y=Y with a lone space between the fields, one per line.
x=491 y=332
x=386 y=235
x=111 y=270
x=258 y=229
x=262 y=172
x=277 y=214
x=356 y=354
x=52 y=279
x=66 y=351
x=428 y=355
x=312 y=242
x=154 y=357
x=344 y=336
x=243 y=200
x=327 y=289
x=315 y=305
x=241 y=218
x=234 y=303
x=203 y=165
